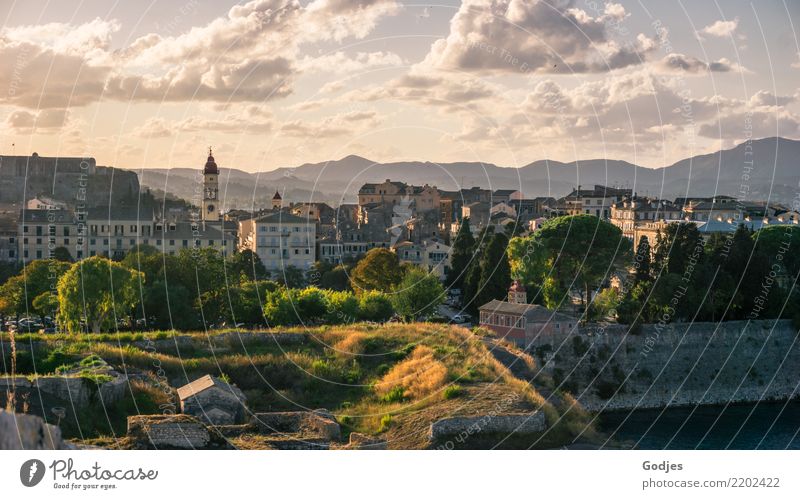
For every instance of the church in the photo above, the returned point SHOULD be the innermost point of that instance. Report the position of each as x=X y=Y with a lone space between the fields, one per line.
x=521 y=322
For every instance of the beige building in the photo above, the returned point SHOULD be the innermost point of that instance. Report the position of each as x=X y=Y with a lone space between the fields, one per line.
x=431 y=255
x=280 y=239
x=597 y=201
x=631 y=214
x=419 y=198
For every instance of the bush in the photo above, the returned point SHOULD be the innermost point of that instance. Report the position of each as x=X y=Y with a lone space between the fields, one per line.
x=453 y=391
x=386 y=422
x=396 y=394
x=374 y=306
x=341 y=307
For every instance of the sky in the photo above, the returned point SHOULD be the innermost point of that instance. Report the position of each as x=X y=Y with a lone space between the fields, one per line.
x=279 y=83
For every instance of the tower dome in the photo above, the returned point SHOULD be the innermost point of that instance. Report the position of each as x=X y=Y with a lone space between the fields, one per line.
x=211 y=165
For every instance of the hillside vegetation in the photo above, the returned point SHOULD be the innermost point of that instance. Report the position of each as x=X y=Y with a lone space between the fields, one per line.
x=391 y=380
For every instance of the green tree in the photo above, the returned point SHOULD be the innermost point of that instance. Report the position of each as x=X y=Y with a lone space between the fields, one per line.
x=374 y=306
x=62 y=254
x=46 y=304
x=642 y=260
x=418 y=294
x=463 y=252
x=336 y=279
x=39 y=276
x=341 y=307
x=573 y=253
x=291 y=277
x=379 y=270
x=168 y=305
x=97 y=291
x=248 y=264
x=495 y=272
x=677 y=246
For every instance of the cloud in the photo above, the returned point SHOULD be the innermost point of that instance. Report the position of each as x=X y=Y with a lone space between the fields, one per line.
x=44 y=119
x=522 y=36
x=248 y=55
x=720 y=29
x=154 y=128
x=339 y=62
x=680 y=63
x=339 y=125
x=767 y=98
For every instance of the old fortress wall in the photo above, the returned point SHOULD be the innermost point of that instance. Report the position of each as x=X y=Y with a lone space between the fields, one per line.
x=681 y=364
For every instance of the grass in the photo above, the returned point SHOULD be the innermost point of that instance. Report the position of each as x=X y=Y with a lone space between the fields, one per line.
x=393 y=379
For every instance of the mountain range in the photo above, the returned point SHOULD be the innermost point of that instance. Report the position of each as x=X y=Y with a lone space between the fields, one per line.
x=761 y=169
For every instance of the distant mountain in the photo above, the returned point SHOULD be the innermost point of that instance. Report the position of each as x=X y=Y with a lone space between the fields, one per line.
x=774 y=173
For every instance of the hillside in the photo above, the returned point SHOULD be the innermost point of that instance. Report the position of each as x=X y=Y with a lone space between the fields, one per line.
x=391 y=381
x=773 y=173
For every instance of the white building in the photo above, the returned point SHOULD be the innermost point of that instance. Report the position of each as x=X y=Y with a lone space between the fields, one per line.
x=280 y=239
x=431 y=255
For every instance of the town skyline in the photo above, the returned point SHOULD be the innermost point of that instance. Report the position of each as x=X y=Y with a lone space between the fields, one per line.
x=281 y=83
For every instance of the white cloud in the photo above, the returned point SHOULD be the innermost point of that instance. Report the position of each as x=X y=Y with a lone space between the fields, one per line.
x=720 y=29
x=521 y=36
x=250 y=54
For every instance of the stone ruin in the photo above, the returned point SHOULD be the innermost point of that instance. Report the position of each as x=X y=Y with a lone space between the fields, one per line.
x=213 y=401
x=28 y=432
x=463 y=427
x=179 y=431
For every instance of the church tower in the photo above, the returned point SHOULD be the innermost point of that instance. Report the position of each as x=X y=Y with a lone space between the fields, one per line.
x=210 y=209
x=277 y=201
x=517 y=294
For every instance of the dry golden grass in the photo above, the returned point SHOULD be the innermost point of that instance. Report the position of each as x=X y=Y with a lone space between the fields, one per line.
x=419 y=375
x=352 y=344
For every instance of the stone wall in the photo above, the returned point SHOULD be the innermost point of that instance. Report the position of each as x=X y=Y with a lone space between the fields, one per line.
x=500 y=424
x=43 y=393
x=681 y=364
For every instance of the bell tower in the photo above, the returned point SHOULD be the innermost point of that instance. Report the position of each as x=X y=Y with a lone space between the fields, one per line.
x=210 y=208
x=517 y=294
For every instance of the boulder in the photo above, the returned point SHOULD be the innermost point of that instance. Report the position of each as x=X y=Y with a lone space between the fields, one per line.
x=28 y=432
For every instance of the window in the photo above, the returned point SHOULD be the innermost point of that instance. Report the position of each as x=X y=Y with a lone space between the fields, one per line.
x=66 y=241
x=158 y=242
x=172 y=242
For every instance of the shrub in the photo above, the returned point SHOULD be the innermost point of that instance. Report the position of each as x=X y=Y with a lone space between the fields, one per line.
x=453 y=391
x=386 y=422
x=341 y=307
x=311 y=304
x=374 y=306
x=396 y=394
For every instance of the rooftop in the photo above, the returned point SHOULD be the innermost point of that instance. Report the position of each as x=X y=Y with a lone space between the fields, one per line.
x=533 y=313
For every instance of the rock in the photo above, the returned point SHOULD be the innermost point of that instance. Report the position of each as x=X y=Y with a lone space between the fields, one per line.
x=505 y=424
x=359 y=441
x=28 y=432
x=179 y=431
x=307 y=424
x=213 y=401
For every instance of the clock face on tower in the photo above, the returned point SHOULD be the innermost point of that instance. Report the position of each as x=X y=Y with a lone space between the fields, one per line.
x=210 y=208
